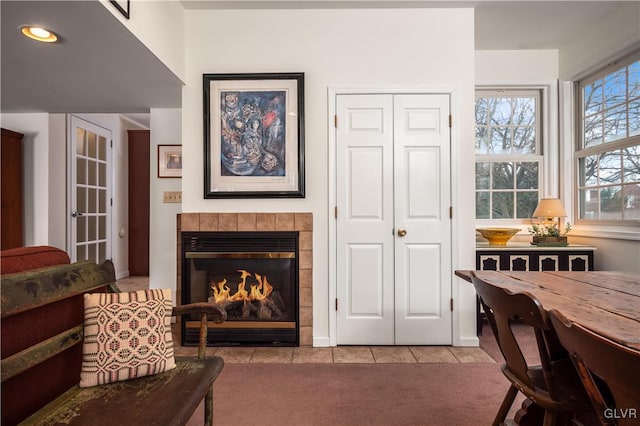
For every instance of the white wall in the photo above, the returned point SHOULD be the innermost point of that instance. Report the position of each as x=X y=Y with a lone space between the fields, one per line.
x=160 y=26
x=166 y=129
x=58 y=180
x=336 y=48
x=612 y=254
x=516 y=66
x=615 y=33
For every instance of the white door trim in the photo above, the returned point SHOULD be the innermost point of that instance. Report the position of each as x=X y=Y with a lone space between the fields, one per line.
x=332 y=92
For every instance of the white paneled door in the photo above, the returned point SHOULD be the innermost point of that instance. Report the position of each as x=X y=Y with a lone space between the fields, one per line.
x=393 y=224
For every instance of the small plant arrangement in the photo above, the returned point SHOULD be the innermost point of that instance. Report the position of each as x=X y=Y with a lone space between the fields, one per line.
x=549 y=230
x=549 y=234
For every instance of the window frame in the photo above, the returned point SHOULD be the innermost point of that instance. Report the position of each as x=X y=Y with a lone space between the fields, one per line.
x=580 y=151
x=506 y=91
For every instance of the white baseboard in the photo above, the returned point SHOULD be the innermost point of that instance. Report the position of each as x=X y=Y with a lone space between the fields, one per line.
x=469 y=341
x=122 y=274
x=321 y=342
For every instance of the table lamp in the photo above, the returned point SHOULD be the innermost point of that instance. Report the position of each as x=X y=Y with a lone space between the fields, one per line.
x=548 y=209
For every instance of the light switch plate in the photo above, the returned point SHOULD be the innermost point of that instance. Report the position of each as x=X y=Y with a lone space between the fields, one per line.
x=172 y=197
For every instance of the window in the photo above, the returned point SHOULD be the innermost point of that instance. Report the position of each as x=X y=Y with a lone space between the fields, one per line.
x=508 y=153
x=608 y=154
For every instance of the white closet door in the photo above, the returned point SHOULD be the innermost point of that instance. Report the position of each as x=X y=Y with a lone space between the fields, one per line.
x=393 y=226
x=365 y=220
x=422 y=201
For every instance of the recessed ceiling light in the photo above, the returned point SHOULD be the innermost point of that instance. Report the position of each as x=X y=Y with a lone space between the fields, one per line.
x=39 y=33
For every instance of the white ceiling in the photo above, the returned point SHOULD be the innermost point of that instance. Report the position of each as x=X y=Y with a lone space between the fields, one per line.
x=99 y=68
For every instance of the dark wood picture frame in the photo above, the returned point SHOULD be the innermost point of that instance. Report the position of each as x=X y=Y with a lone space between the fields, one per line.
x=122 y=6
x=254 y=135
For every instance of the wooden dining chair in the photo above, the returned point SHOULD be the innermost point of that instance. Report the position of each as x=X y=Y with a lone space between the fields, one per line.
x=609 y=371
x=553 y=385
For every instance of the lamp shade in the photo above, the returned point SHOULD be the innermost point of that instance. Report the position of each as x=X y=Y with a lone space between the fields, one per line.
x=550 y=207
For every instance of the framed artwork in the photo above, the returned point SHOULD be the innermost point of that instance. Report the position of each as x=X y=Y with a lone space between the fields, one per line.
x=169 y=161
x=122 y=6
x=254 y=135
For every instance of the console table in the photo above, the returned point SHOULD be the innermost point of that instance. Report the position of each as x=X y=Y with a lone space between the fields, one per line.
x=527 y=257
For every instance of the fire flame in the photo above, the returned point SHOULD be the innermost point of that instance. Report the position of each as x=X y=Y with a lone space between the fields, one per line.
x=222 y=293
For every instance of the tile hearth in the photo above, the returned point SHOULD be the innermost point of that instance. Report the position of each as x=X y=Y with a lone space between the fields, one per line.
x=345 y=355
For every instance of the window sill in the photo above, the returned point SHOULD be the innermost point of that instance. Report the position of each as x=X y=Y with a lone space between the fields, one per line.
x=631 y=233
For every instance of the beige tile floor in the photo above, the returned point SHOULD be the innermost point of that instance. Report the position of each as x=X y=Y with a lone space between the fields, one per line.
x=345 y=355
x=335 y=355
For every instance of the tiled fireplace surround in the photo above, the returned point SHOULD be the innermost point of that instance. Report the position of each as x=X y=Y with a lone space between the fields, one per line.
x=236 y=222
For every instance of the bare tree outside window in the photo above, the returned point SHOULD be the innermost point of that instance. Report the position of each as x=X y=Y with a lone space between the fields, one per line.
x=609 y=153
x=508 y=160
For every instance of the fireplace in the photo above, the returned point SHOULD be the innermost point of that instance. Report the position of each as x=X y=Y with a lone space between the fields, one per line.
x=254 y=275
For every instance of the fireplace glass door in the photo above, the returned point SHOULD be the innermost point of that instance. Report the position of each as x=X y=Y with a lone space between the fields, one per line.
x=253 y=275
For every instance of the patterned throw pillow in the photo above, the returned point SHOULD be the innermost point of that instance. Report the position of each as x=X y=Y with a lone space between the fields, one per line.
x=126 y=335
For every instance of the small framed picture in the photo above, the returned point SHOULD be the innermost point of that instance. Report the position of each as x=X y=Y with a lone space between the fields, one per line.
x=169 y=161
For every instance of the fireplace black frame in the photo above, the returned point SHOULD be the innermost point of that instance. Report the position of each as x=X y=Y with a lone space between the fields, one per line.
x=241 y=242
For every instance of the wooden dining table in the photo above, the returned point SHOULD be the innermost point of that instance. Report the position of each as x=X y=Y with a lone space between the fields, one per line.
x=606 y=302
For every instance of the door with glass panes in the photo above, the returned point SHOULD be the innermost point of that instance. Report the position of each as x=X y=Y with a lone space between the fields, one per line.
x=89 y=230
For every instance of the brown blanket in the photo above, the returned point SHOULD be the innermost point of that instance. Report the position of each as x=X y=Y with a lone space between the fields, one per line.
x=27 y=258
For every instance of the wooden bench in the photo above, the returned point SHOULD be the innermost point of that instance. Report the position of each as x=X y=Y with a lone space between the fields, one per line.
x=42 y=338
